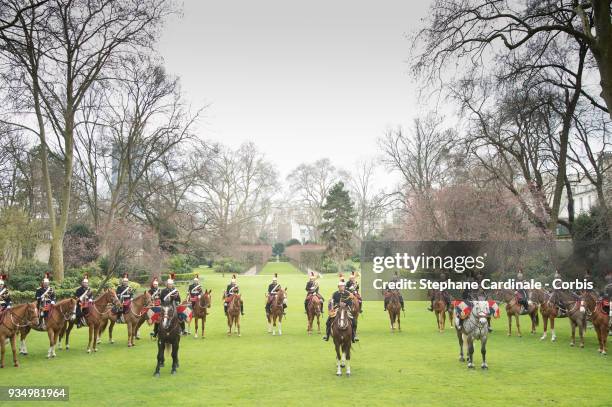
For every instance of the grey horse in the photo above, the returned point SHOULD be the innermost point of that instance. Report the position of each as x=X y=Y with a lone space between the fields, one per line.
x=475 y=326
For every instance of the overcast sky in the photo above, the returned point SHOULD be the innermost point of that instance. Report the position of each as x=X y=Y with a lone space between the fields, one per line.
x=303 y=80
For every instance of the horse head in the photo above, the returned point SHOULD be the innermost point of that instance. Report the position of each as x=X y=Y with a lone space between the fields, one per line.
x=168 y=313
x=206 y=299
x=31 y=314
x=481 y=311
x=113 y=297
x=67 y=308
x=342 y=316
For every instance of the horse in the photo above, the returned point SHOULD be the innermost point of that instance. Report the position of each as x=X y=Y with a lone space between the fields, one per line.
x=440 y=307
x=98 y=312
x=394 y=307
x=355 y=309
x=600 y=318
x=137 y=311
x=515 y=309
x=12 y=320
x=59 y=314
x=200 y=311
x=342 y=332
x=276 y=312
x=475 y=326
x=313 y=309
x=550 y=311
x=168 y=337
x=233 y=314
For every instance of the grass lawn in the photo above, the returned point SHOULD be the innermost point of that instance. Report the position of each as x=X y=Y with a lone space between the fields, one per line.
x=418 y=366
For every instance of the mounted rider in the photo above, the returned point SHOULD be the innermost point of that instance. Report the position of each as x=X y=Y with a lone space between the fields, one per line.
x=352 y=286
x=84 y=297
x=170 y=296
x=273 y=288
x=5 y=295
x=342 y=295
x=445 y=294
x=195 y=291
x=607 y=294
x=521 y=293
x=45 y=298
x=125 y=295
x=558 y=301
x=232 y=289
x=155 y=293
x=312 y=288
x=387 y=293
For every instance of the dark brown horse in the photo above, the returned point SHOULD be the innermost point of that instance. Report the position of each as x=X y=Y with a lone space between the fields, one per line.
x=233 y=314
x=12 y=320
x=168 y=337
x=440 y=308
x=97 y=312
x=393 y=308
x=59 y=314
x=514 y=310
x=550 y=311
x=200 y=311
x=276 y=312
x=313 y=310
x=342 y=332
x=600 y=318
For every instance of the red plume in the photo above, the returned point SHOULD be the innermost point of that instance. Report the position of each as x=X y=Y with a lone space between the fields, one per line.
x=172 y=276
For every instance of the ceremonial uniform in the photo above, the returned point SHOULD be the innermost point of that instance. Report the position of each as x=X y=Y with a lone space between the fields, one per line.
x=195 y=292
x=523 y=296
x=312 y=288
x=401 y=298
x=231 y=289
x=45 y=297
x=170 y=296
x=125 y=295
x=338 y=297
x=84 y=296
x=5 y=295
x=155 y=293
x=352 y=286
x=444 y=293
x=273 y=288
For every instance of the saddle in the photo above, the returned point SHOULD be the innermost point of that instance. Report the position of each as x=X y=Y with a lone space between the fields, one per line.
x=462 y=309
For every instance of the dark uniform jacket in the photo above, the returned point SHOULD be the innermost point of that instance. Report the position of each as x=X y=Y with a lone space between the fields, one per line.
x=312 y=287
x=232 y=289
x=352 y=286
x=194 y=289
x=273 y=288
x=344 y=297
x=42 y=298
x=5 y=298
x=82 y=290
x=170 y=295
x=124 y=293
x=155 y=294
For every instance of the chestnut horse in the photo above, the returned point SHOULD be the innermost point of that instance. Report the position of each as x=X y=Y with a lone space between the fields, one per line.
x=136 y=312
x=394 y=307
x=200 y=311
x=60 y=313
x=276 y=311
x=550 y=311
x=342 y=332
x=440 y=308
x=313 y=309
x=233 y=314
x=98 y=312
x=12 y=320
x=600 y=318
x=515 y=309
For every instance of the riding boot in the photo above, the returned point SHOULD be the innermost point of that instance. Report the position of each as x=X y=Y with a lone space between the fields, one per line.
x=430 y=305
x=355 y=338
x=321 y=307
x=327 y=329
x=183 y=331
x=241 y=308
x=306 y=306
x=284 y=308
x=402 y=303
x=155 y=329
x=385 y=302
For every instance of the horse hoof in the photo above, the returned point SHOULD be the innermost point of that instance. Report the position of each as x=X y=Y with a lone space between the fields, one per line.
x=342 y=365
x=173 y=372
x=88 y=350
x=2 y=366
x=470 y=366
x=95 y=349
x=572 y=344
x=239 y=335
x=338 y=374
x=542 y=338
x=484 y=366
x=16 y=364
x=156 y=374
x=54 y=355
x=604 y=353
x=67 y=347
x=461 y=359
x=195 y=336
x=582 y=346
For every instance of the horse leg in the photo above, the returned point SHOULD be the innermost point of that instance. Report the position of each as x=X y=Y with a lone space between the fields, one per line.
x=111 y=325
x=129 y=329
x=2 y=350
x=451 y=319
x=23 y=348
x=483 y=352
x=553 y=337
x=160 y=356
x=90 y=338
x=460 y=339
x=67 y=336
x=96 y=331
x=238 y=324
x=280 y=324
x=318 y=324
x=347 y=357
x=573 y=325
x=175 y=346
x=338 y=360
x=545 y=318
x=399 y=323
x=581 y=329
x=51 y=344
x=470 y=343
x=509 y=324
x=14 y=349
x=518 y=325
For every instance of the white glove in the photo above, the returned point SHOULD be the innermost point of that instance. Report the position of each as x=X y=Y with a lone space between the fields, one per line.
x=52 y=302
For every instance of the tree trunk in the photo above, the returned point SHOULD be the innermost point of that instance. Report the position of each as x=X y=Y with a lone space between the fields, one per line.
x=56 y=256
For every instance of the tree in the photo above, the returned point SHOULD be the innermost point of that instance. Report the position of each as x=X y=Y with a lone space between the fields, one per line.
x=371 y=205
x=477 y=31
x=278 y=249
x=338 y=223
x=309 y=185
x=52 y=57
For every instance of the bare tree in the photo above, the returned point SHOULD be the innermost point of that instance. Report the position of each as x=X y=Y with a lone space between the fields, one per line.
x=53 y=56
x=371 y=203
x=309 y=184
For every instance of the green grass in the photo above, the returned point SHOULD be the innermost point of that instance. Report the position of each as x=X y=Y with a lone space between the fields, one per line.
x=418 y=366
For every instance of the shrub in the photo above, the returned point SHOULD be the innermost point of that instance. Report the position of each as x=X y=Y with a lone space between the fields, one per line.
x=230 y=266
x=28 y=274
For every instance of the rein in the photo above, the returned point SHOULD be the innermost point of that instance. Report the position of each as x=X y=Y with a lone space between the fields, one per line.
x=17 y=324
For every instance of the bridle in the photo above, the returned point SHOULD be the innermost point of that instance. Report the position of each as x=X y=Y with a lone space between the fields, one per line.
x=26 y=317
